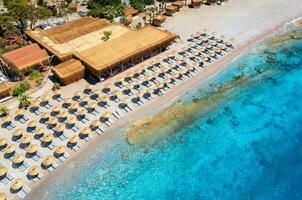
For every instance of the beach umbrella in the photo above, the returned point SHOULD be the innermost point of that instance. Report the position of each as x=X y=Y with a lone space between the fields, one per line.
x=78 y=94
x=74 y=106
x=34 y=103
x=104 y=98
x=56 y=109
x=40 y=131
x=45 y=98
x=33 y=171
x=10 y=149
x=83 y=112
x=88 y=88
x=17 y=184
x=92 y=105
x=73 y=139
x=209 y=46
x=19 y=112
x=159 y=85
x=25 y=139
x=107 y=88
x=218 y=51
x=53 y=121
x=45 y=115
x=47 y=161
x=72 y=120
x=67 y=101
x=6 y=119
x=18 y=159
x=228 y=44
x=32 y=124
x=214 y=43
x=60 y=150
x=106 y=115
x=3 y=196
x=95 y=123
x=63 y=114
x=191 y=69
x=3 y=142
x=32 y=149
x=96 y=91
x=85 y=131
x=120 y=80
x=47 y=138
x=130 y=74
x=3 y=171
x=223 y=47
x=85 y=99
x=60 y=128
x=18 y=132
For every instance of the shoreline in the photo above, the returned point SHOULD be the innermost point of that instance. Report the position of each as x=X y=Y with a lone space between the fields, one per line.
x=158 y=104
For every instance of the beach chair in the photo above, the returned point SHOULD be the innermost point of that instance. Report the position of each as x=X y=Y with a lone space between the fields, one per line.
x=4 y=180
x=35 y=158
x=63 y=137
x=21 y=194
x=51 y=146
x=74 y=128
x=26 y=189
x=9 y=176
x=37 y=112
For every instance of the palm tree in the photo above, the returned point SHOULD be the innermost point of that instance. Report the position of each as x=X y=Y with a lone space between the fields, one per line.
x=24 y=101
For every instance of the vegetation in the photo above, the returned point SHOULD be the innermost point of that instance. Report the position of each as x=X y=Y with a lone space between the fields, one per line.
x=24 y=101
x=138 y=25
x=124 y=20
x=20 y=89
x=107 y=35
x=108 y=9
x=56 y=86
x=35 y=75
x=138 y=5
x=4 y=111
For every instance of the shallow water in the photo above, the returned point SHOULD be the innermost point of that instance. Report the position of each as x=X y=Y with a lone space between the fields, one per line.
x=247 y=147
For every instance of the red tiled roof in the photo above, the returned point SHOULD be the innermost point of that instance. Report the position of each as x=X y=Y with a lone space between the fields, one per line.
x=26 y=57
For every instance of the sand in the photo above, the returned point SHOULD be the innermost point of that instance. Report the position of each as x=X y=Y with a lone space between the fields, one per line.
x=246 y=21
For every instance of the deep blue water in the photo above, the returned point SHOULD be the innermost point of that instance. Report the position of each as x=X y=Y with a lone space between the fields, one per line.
x=247 y=147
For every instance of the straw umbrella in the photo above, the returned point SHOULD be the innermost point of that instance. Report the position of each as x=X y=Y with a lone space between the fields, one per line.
x=16 y=185
x=3 y=142
x=107 y=88
x=32 y=124
x=59 y=129
x=45 y=115
x=33 y=171
x=53 y=121
x=19 y=112
x=85 y=132
x=88 y=88
x=32 y=149
x=18 y=133
x=39 y=132
x=55 y=110
x=18 y=159
x=47 y=161
x=10 y=149
x=58 y=92
x=25 y=140
x=95 y=123
x=60 y=150
x=92 y=106
x=47 y=138
x=3 y=196
x=72 y=120
x=34 y=103
x=78 y=94
x=95 y=93
x=84 y=100
x=63 y=115
x=82 y=113
x=3 y=171
x=73 y=140
x=74 y=106
x=7 y=119
x=67 y=101
x=45 y=98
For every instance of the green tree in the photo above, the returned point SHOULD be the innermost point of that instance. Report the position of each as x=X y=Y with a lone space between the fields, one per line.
x=24 y=101
x=4 y=111
x=137 y=4
x=64 y=9
x=20 y=12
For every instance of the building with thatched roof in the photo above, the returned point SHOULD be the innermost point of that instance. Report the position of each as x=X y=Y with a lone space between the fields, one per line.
x=85 y=40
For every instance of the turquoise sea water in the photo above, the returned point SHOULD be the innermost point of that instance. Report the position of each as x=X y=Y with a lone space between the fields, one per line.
x=249 y=146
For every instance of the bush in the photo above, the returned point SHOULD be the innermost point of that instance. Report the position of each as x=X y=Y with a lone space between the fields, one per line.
x=149 y=2
x=20 y=89
x=138 y=25
x=35 y=75
x=56 y=86
x=24 y=101
x=107 y=35
x=123 y=20
x=4 y=111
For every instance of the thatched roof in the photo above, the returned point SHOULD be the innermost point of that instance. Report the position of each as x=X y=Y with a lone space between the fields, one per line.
x=83 y=39
x=69 y=71
x=26 y=57
x=4 y=89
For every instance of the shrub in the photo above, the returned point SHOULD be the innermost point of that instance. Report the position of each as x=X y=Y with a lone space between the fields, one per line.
x=138 y=25
x=4 y=111
x=20 y=89
x=107 y=35
x=24 y=101
x=35 y=75
x=56 y=86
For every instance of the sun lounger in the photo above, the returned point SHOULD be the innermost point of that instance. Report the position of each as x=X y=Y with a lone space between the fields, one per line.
x=5 y=181
x=21 y=194
x=63 y=137
x=26 y=189
x=37 y=112
x=35 y=158
x=55 y=165
x=51 y=146
x=76 y=147
x=75 y=128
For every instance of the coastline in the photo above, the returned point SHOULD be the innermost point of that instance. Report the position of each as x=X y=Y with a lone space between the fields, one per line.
x=156 y=105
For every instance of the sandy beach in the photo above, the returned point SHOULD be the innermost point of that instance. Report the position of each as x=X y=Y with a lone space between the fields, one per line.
x=246 y=21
